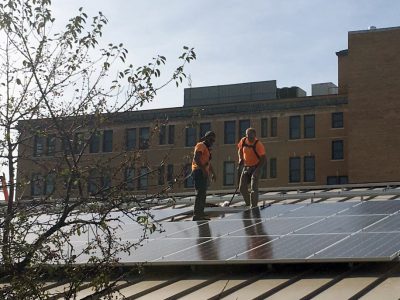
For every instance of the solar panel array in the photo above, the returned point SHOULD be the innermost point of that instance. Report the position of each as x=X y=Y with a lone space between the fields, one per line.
x=318 y=232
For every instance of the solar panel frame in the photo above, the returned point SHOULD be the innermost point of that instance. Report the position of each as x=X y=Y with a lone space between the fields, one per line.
x=276 y=226
x=341 y=224
x=374 y=208
x=362 y=246
x=277 y=234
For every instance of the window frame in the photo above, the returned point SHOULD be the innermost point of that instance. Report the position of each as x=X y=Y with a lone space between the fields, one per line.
x=294 y=173
x=203 y=128
x=274 y=127
x=309 y=168
x=264 y=127
x=190 y=136
x=335 y=121
x=229 y=137
x=294 y=127
x=162 y=135
x=108 y=140
x=39 y=140
x=143 y=180
x=171 y=134
x=144 y=138
x=243 y=126
x=230 y=175
x=309 y=129
x=130 y=139
x=335 y=154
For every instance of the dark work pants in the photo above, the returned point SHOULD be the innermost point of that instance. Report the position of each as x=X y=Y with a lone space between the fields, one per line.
x=247 y=177
x=200 y=185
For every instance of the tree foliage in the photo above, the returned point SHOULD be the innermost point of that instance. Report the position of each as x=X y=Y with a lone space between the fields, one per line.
x=64 y=88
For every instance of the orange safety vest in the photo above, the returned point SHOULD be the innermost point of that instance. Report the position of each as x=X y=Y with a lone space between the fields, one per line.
x=250 y=158
x=205 y=156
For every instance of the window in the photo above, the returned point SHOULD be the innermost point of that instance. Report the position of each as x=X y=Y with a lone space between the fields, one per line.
x=66 y=144
x=272 y=168
x=107 y=141
x=264 y=171
x=189 y=181
x=144 y=137
x=264 y=127
x=93 y=182
x=243 y=125
x=51 y=145
x=229 y=132
x=130 y=139
x=161 y=175
x=106 y=182
x=274 y=127
x=337 y=150
x=143 y=179
x=170 y=174
x=309 y=168
x=129 y=178
x=337 y=180
x=163 y=135
x=50 y=183
x=190 y=136
x=309 y=126
x=94 y=143
x=39 y=144
x=337 y=120
x=294 y=127
x=37 y=185
x=294 y=169
x=171 y=134
x=229 y=173
x=204 y=127
x=79 y=142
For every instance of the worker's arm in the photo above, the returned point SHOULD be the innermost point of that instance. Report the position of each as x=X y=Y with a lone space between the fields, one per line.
x=259 y=166
x=196 y=159
x=240 y=156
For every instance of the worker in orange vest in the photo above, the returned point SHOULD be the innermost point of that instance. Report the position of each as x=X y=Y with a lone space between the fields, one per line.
x=202 y=172
x=251 y=154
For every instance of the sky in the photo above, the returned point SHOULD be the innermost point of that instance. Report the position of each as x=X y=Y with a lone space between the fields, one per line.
x=290 y=41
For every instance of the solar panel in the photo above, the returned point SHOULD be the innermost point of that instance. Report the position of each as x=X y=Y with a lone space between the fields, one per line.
x=217 y=250
x=346 y=231
x=272 y=211
x=154 y=214
x=320 y=209
x=290 y=248
x=163 y=229
x=211 y=229
x=277 y=226
x=374 y=207
x=363 y=246
x=341 y=224
x=388 y=224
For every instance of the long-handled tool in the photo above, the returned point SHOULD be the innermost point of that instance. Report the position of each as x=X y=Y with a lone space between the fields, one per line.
x=239 y=173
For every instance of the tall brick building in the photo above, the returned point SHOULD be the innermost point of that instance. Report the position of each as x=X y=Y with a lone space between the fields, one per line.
x=344 y=134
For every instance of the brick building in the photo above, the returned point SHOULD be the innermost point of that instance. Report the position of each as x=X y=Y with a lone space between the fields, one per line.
x=344 y=134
